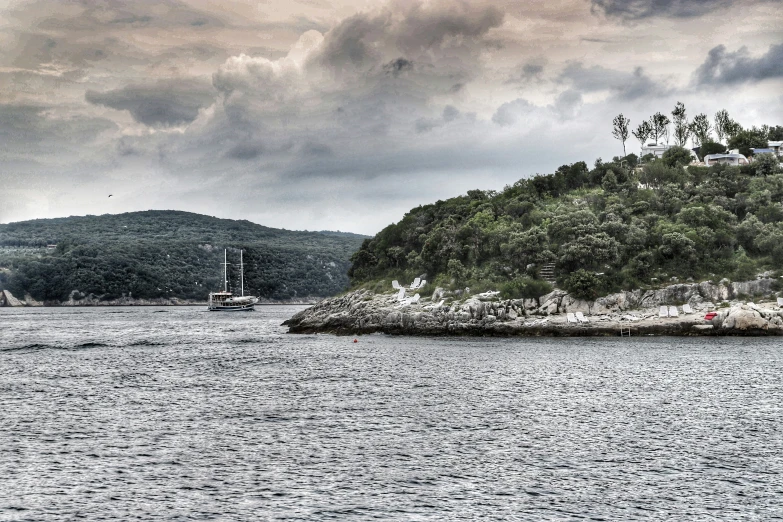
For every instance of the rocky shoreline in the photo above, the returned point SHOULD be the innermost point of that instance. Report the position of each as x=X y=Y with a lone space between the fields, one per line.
x=632 y=312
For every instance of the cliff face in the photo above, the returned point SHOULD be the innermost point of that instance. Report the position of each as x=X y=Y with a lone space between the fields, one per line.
x=486 y=315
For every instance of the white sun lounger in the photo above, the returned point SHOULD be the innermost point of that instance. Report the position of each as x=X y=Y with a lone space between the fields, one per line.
x=571 y=317
x=436 y=306
x=396 y=285
x=686 y=309
x=415 y=298
x=415 y=283
x=673 y=311
x=780 y=301
x=663 y=312
x=422 y=283
x=581 y=317
x=401 y=294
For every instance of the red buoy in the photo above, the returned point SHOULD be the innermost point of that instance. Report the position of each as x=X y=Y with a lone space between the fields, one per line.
x=356 y=340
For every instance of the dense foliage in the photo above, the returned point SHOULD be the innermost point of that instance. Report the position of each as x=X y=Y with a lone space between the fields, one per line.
x=604 y=228
x=168 y=254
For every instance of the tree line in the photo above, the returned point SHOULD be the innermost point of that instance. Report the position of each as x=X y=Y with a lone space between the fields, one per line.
x=699 y=131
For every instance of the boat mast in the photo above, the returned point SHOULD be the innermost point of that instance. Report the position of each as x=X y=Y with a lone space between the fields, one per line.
x=225 y=270
x=241 y=273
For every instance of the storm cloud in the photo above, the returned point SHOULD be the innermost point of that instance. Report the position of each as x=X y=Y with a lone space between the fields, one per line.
x=725 y=68
x=623 y=85
x=639 y=9
x=168 y=103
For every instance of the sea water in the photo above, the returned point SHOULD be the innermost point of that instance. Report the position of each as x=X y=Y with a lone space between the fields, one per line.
x=180 y=414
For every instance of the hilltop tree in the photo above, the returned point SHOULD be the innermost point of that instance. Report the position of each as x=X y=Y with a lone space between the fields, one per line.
x=746 y=140
x=682 y=130
x=660 y=125
x=775 y=133
x=620 y=129
x=643 y=132
x=722 y=123
x=733 y=129
x=701 y=129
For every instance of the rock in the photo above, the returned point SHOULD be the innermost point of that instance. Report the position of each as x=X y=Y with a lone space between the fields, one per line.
x=364 y=312
x=7 y=299
x=743 y=318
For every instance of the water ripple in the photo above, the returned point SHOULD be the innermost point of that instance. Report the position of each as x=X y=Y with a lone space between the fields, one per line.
x=127 y=414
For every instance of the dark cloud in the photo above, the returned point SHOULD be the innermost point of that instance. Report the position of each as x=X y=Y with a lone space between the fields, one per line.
x=245 y=151
x=722 y=67
x=164 y=104
x=639 y=9
x=624 y=85
x=526 y=73
x=429 y=25
x=398 y=66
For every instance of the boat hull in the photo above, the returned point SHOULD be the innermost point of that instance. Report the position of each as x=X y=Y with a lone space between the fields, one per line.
x=234 y=308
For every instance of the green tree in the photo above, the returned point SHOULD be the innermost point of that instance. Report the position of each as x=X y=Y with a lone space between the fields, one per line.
x=682 y=130
x=620 y=129
x=677 y=157
x=643 y=132
x=746 y=140
x=711 y=148
x=701 y=129
x=766 y=164
x=722 y=124
x=775 y=133
x=583 y=284
x=660 y=125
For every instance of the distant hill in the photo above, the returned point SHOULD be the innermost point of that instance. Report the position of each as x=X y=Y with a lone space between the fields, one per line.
x=165 y=253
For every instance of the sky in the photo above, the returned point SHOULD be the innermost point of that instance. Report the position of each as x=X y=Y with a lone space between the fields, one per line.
x=345 y=114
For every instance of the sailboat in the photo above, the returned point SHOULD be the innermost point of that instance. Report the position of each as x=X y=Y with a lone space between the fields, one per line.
x=226 y=301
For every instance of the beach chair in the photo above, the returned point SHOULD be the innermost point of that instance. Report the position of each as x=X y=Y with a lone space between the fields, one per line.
x=663 y=312
x=780 y=301
x=673 y=311
x=415 y=298
x=422 y=283
x=436 y=306
x=396 y=285
x=415 y=283
x=401 y=294
x=686 y=309
x=571 y=317
x=581 y=317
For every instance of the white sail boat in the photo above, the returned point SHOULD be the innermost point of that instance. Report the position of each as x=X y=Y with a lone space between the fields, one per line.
x=226 y=301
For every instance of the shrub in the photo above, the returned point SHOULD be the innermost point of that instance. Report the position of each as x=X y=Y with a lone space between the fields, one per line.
x=525 y=288
x=583 y=284
x=711 y=148
x=677 y=156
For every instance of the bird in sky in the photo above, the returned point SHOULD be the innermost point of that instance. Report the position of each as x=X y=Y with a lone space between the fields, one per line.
x=110 y=195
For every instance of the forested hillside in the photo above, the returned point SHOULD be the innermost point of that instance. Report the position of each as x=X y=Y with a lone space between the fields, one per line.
x=168 y=254
x=604 y=228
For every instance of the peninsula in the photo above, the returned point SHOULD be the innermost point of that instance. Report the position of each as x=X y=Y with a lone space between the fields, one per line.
x=613 y=243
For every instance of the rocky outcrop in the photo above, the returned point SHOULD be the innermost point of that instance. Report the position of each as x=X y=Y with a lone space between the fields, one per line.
x=7 y=299
x=485 y=314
